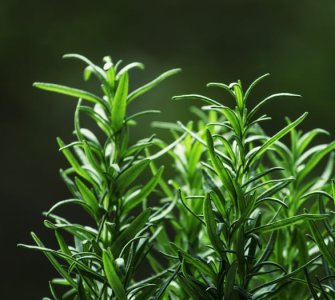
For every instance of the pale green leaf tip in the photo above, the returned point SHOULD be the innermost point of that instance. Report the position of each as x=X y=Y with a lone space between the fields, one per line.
x=264 y=75
x=69 y=55
x=141 y=66
x=174 y=71
x=38 y=84
x=210 y=84
x=179 y=97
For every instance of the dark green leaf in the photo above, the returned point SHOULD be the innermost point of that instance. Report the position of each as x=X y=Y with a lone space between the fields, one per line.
x=212 y=226
x=200 y=265
x=320 y=241
x=288 y=222
x=54 y=262
x=88 y=196
x=127 y=176
x=164 y=286
x=133 y=201
x=130 y=232
x=112 y=276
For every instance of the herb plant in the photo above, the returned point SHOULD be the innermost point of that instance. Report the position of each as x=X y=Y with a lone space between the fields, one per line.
x=253 y=207
x=102 y=260
x=244 y=215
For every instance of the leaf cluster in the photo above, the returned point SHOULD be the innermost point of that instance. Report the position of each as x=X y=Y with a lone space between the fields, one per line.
x=244 y=215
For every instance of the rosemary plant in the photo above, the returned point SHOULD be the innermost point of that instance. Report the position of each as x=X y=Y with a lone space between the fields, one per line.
x=251 y=207
x=103 y=259
x=243 y=215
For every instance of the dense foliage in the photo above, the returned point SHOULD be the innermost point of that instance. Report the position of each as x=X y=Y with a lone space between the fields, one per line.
x=245 y=216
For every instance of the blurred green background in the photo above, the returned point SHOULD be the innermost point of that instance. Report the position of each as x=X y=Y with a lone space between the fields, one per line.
x=212 y=41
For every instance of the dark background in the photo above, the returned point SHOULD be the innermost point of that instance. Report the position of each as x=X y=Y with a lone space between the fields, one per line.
x=211 y=40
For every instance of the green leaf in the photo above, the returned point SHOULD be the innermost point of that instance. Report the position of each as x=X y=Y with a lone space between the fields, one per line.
x=223 y=86
x=94 y=68
x=133 y=201
x=88 y=196
x=98 y=119
x=282 y=278
x=54 y=262
x=143 y=89
x=119 y=103
x=128 y=67
x=164 y=186
x=167 y=148
x=306 y=139
x=79 y=231
x=142 y=113
x=238 y=96
x=163 y=212
x=72 y=160
x=96 y=165
x=267 y=251
x=193 y=287
x=167 y=282
x=275 y=138
x=89 y=135
x=314 y=160
x=260 y=175
x=76 y=263
x=112 y=276
x=53 y=292
x=198 y=97
x=194 y=157
x=288 y=222
x=72 y=201
x=252 y=85
x=63 y=246
x=138 y=148
x=233 y=120
x=190 y=289
x=166 y=125
x=69 y=91
x=216 y=193
x=212 y=226
x=181 y=197
x=130 y=232
x=200 y=265
x=310 y=285
x=227 y=147
x=320 y=241
x=219 y=168
x=68 y=182
x=229 y=286
x=260 y=104
x=127 y=176
x=282 y=183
